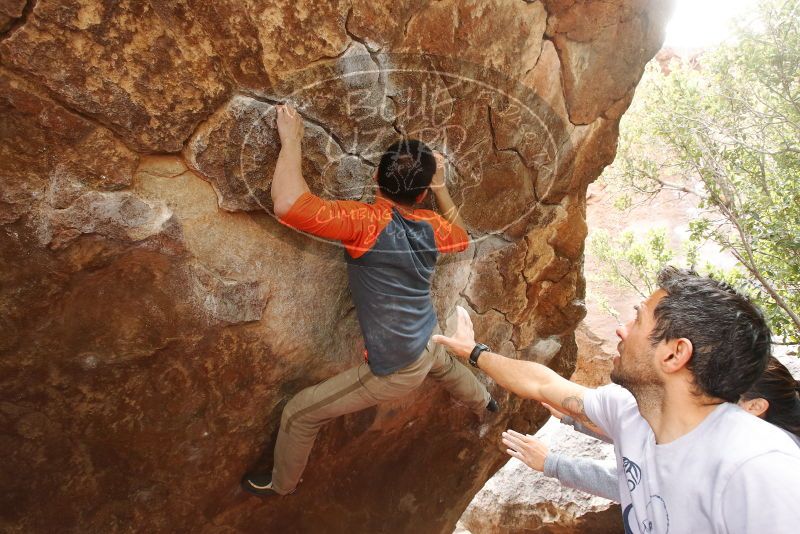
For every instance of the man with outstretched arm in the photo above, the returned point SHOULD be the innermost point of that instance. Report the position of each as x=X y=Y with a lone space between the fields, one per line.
x=391 y=249
x=688 y=458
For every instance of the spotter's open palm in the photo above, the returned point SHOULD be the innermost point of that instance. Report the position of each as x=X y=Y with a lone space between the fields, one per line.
x=462 y=341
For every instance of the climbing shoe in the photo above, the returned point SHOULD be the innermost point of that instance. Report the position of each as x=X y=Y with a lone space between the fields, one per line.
x=260 y=485
x=493 y=406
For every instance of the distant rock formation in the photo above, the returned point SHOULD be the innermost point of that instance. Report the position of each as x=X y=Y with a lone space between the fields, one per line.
x=155 y=317
x=668 y=56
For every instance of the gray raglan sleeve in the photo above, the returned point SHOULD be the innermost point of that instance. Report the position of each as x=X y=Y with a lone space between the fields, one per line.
x=570 y=421
x=592 y=476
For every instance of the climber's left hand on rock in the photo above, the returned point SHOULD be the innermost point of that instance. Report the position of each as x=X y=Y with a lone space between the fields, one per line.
x=290 y=124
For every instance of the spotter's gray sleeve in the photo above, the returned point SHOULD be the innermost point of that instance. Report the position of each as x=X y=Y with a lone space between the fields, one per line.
x=592 y=476
x=567 y=420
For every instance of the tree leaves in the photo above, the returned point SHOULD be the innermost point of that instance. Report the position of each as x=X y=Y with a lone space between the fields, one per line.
x=728 y=133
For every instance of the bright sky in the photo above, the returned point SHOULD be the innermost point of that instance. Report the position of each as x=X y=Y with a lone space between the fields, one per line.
x=704 y=23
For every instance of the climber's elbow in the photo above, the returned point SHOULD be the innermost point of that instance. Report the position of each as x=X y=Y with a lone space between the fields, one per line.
x=283 y=204
x=284 y=198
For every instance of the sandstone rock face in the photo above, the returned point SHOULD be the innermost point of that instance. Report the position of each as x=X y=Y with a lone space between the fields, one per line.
x=10 y=12
x=519 y=499
x=597 y=83
x=156 y=318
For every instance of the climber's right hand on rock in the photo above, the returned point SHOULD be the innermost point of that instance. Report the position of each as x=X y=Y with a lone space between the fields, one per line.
x=526 y=448
x=290 y=124
x=438 y=180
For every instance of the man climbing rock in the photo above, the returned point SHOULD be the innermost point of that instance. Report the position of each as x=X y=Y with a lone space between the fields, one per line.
x=391 y=250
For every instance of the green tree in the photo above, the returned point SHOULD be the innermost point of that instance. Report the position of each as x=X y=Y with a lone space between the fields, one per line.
x=632 y=262
x=727 y=132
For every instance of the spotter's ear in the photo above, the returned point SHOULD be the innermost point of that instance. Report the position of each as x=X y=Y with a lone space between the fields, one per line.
x=675 y=354
x=757 y=406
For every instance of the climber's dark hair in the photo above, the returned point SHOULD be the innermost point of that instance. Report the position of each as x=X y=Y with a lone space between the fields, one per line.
x=730 y=338
x=406 y=170
x=778 y=387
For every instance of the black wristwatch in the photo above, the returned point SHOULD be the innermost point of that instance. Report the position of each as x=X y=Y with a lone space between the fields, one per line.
x=473 y=356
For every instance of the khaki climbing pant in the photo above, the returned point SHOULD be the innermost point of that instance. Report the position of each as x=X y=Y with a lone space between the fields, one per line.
x=357 y=389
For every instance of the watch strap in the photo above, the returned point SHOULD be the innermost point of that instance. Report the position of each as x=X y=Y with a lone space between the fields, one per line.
x=473 y=356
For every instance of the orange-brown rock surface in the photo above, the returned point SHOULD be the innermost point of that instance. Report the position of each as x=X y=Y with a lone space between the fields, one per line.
x=155 y=317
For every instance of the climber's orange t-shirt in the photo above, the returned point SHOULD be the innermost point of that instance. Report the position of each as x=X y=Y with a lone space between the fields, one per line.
x=391 y=254
x=358 y=224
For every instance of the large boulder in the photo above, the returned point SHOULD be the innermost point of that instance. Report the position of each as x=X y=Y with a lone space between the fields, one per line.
x=156 y=317
x=518 y=499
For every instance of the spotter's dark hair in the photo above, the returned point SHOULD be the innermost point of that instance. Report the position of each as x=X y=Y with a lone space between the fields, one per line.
x=780 y=389
x=730 y=338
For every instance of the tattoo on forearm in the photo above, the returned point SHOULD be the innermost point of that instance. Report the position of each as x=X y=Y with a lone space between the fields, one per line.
x=574 y=406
